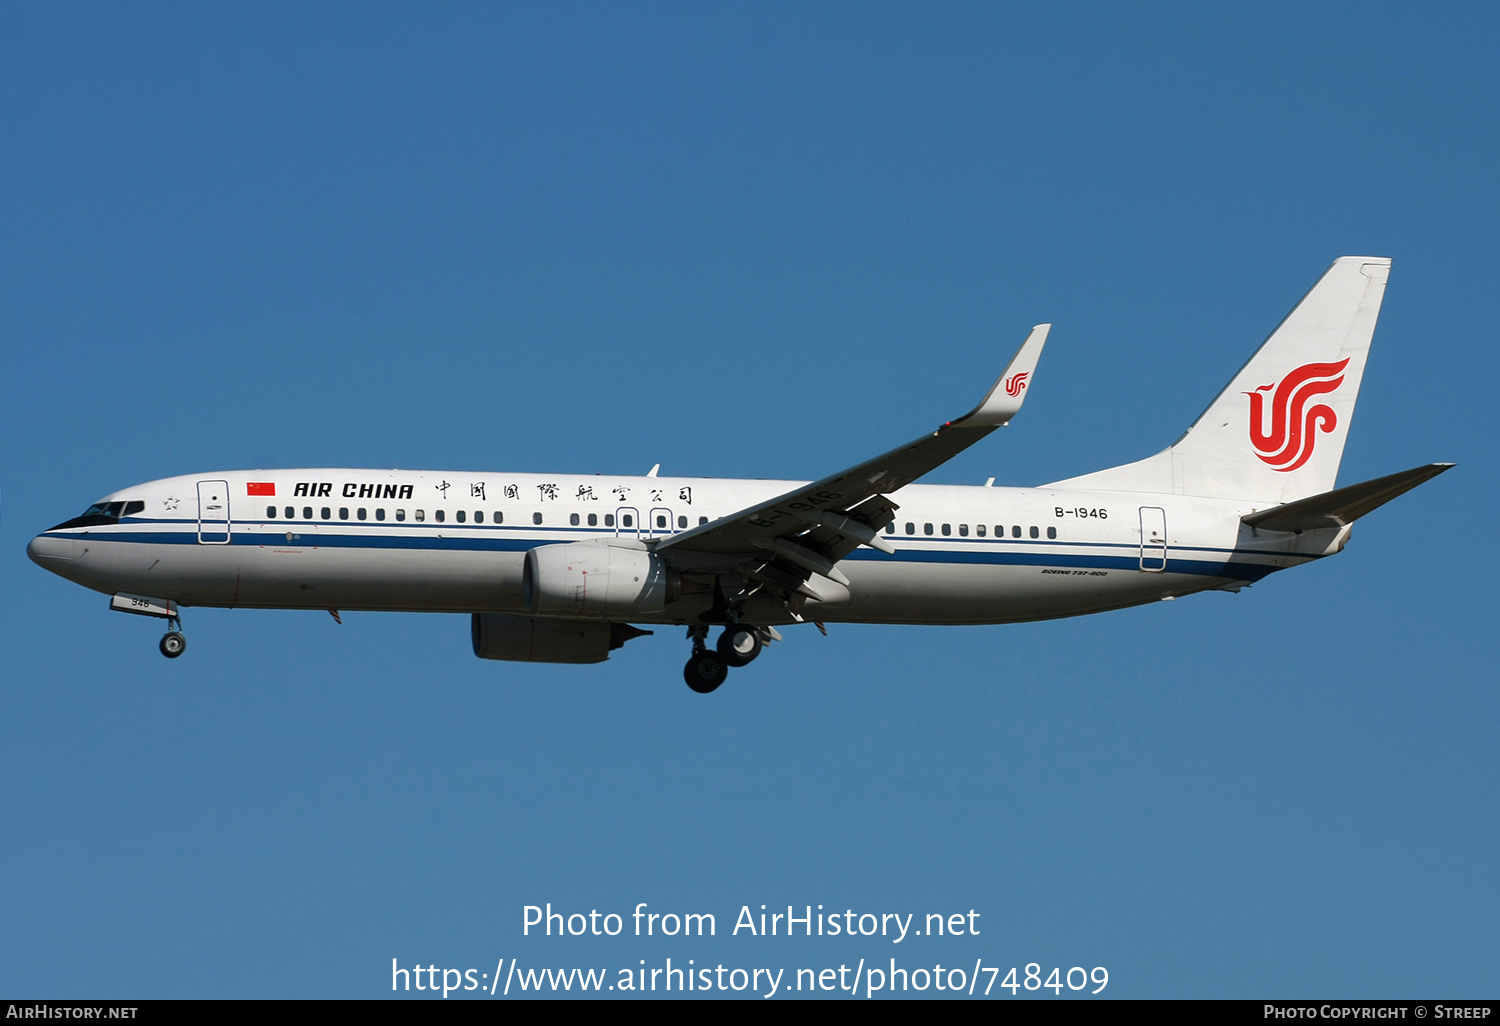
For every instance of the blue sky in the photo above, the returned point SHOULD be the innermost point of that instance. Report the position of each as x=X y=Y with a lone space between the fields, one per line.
x=765 y=240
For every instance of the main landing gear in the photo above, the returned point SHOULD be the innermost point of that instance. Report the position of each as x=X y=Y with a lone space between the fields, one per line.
x=705 y=671
x=738 y=645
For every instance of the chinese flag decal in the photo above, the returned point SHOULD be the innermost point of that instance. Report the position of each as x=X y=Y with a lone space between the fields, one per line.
x=260 y=488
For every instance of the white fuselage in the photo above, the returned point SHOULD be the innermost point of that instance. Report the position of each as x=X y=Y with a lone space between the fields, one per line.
x=456 y=542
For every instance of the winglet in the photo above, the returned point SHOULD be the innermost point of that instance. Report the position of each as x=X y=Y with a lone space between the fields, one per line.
x=1009 y=391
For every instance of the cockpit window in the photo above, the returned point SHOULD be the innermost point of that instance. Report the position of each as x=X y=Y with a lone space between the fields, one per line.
x=102 y=514
x=115 y=509
x=107 y=509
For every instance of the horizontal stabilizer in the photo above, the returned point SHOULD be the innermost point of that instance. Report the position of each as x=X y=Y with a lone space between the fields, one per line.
x=1342 y=505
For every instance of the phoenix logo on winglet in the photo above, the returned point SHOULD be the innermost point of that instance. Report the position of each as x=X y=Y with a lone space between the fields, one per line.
x=1289 y=442
x=1015 y=383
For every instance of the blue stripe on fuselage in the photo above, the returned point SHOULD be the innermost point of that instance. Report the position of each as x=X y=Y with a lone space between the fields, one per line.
x=402 y=536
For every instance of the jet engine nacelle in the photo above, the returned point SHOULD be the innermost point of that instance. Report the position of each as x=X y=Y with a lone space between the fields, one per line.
x=526 y=639
x=604 y=580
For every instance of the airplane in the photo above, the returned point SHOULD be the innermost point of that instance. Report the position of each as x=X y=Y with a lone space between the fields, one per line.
x=559 y=568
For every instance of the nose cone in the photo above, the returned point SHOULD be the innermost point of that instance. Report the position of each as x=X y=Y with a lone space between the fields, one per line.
x=51 y=552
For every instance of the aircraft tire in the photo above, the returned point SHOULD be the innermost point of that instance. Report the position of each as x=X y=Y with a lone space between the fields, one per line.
x=173 y=645
x=739 y=645
x=705 y=671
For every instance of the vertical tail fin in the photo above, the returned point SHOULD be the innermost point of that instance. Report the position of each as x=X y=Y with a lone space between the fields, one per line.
x=1277 y=431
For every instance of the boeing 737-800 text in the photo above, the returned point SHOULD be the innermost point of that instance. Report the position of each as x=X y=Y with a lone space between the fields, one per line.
x=558 y=567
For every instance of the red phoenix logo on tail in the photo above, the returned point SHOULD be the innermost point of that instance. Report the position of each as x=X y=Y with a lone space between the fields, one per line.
x=1289 y=442
x=1015 y=383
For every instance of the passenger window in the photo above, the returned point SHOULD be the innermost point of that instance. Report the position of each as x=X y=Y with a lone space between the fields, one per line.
x=479 y=516
x=400 y=515
x=271 y=512
x=911 y=528
x=661 y=521
x=361 y=512
x=682 y=521
x=439 y=515
x=1035 y=533
x=380 y=514
x=947 y=530
x=593 y=520
x=137 y=506
x=499 y=517
x=1015 y=531
x=979 y=530
x=926 y=528
x=573 y=519
x=419 y=516
x=702 y=521
x=460 y=516
x=327 y=513
x=609 y=520
x=343 y=512
x=626 y=520
x=307 y=513
x=291 y=512
x=890 y=528
x=536 y=518
x=963 y=530
x=1051 y=532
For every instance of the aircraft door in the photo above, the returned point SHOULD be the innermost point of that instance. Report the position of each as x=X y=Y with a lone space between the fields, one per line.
x=213 y=512
x=661 y=522
x=627 y=522
x=1153 y=539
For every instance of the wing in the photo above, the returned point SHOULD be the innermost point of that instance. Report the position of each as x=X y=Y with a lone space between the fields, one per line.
x=781 y=543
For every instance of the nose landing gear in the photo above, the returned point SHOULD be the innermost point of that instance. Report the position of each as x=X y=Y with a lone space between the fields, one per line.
x=173 y=644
